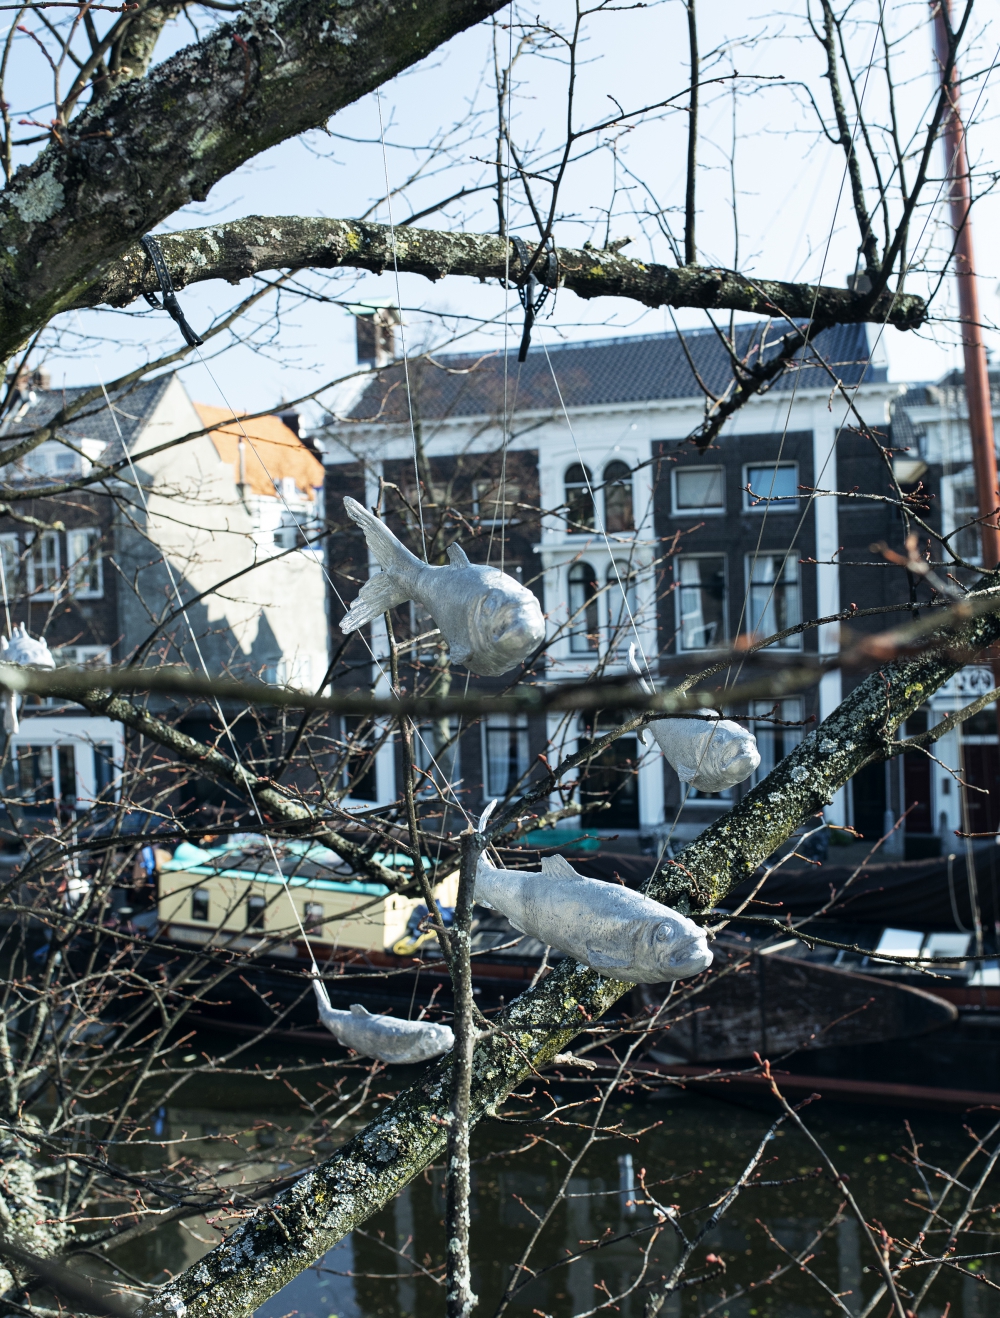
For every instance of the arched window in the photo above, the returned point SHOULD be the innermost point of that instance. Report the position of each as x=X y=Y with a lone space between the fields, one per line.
x=583 y=609
x=580 y=501
x=620 y=595
x=618 y=514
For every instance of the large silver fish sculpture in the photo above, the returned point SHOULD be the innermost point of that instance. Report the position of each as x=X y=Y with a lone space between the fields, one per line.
x=21 y=649
x=385 y=1037
x=490 y=621
x=710 y=753
x=615 y=931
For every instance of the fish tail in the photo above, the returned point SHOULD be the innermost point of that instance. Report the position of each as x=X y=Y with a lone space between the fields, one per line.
x=390 y=552
x=392 y=586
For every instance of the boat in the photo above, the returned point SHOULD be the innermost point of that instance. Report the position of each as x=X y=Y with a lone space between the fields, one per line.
x=812 y=1017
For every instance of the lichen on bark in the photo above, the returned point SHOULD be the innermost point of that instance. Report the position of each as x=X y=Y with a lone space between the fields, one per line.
x=274 y=1245
x=236 y=250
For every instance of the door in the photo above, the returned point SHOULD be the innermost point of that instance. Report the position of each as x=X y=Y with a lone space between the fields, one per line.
x=611 y=779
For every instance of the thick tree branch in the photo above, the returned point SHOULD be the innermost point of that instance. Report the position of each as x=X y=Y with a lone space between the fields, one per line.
x=156 y=143
x=242 y=248
x=275 y=1245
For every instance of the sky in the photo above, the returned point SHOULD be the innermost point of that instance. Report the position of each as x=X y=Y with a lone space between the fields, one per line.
x=758 y=142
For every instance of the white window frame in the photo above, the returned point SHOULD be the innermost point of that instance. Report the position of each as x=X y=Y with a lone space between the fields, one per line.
x=790 y=642
x=520 y=725
x=10 y=548
x=44 y=593
x=949 y=484
x=83 y=556
x=678 y=592
x=608 y=462
x=482 y=488
x=710 y=511
x=763 y=503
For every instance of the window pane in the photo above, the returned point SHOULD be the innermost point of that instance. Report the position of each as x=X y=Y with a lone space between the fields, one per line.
x=774 y=598
x=255 y=912
x=775 y=741
x=104 y=768
x=771 y=484
x=359 y=769
x=965 y=508
x=66 y=757
x=579 y=500
x=702 y=602
x=622 y=619
x=699 y=487
x=199 y=904
x=11 y=564
x=618 y=514
x=493 y=504
x=436 y=750
x=313 y=914
x=45 y=561
x=83 y=549
x=506 y=752
x=583 y=609
x=33 y=782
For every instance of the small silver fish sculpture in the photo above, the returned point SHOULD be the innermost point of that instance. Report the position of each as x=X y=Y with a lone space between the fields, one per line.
x=21 y=649
x=613 y=930
x=384 y=1037
x=490 y=621
x=712 y=754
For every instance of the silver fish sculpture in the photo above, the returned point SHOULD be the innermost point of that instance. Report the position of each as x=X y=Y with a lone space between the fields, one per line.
x=712 y=754
x=615 y=931
x=384 y=1037
x=490 y=621
x=21 y=649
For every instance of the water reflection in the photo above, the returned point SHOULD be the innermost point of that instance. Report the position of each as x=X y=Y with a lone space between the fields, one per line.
x=696 y=1148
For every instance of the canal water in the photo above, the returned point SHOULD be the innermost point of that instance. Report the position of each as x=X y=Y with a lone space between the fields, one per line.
x=691 y=1148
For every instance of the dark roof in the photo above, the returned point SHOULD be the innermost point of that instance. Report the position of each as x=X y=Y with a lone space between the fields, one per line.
x=133 y=408
x=622 y=370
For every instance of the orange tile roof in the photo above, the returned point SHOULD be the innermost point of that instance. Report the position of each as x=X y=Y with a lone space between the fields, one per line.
x=272 y=451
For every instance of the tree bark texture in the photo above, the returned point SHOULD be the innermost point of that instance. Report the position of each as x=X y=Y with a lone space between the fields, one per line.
x=270 y=1248
x=242 y=248
x=154 y=144
x=459 y=1298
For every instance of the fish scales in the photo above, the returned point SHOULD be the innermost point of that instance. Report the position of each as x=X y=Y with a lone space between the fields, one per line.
x=490 y=621
x=617 y=932
x=710 y=753
x=384 y=1037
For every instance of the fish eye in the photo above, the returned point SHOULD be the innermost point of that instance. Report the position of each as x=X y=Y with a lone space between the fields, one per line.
x=663 y=933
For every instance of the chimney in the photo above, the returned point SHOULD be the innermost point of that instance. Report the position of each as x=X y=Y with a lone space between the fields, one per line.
x=375 y=329
x=291 y=418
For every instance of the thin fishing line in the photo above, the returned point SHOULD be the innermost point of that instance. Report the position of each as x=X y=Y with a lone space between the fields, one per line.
x=298 y=526
x=282 y=878
x=402 y=336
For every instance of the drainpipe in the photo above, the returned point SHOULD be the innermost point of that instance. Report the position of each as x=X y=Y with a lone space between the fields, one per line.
x=977 y=380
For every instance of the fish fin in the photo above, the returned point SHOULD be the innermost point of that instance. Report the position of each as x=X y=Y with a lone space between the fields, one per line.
x=457 y=556
x=598 y=960
x=358 y=1010
x=390 y=552
x=558 y=867
x=378 y=595
x=633 y=663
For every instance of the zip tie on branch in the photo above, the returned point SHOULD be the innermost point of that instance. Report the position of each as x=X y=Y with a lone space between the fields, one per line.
x=533 y=292
x=170 y=304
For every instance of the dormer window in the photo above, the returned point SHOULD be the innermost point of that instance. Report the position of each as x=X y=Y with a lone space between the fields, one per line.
x=618 y=515
x=579 y=499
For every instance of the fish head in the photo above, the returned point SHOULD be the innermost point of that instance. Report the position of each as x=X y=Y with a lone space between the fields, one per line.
x=506 y=627
x=676 y=948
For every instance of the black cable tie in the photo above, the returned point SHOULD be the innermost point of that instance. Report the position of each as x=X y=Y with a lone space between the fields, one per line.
x=170 y=304
x=533 y=292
